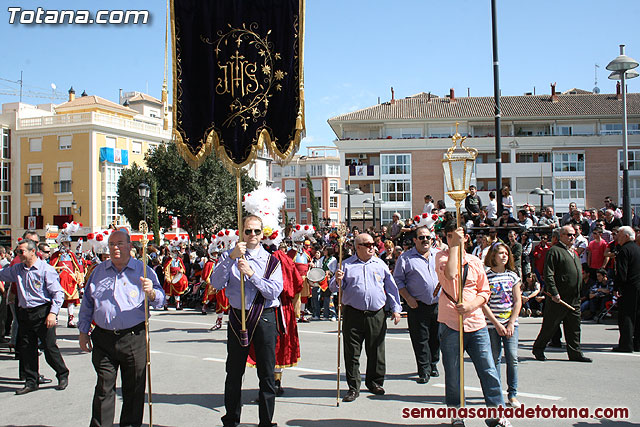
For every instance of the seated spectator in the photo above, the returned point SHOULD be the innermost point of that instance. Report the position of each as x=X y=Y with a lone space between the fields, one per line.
x=504 y=222
x=483 y=220
x=523 y=220
x=610 y=220
x=599 y=294
x=578 y=219
x=482 y=247
x=548 y=219
x=531 y=301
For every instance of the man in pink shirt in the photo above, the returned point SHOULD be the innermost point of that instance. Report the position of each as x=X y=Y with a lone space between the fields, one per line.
x=595 y=252
x=476 y=336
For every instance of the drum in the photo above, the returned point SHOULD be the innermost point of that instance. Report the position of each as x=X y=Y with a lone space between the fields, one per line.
x=176 y=278
x=315 y=276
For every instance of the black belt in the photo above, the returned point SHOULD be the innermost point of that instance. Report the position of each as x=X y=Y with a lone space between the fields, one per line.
x=36 y=308
x=264 y=310
x=121 y=332
x=365 y=312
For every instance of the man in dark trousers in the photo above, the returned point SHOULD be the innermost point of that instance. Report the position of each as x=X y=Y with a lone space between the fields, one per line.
x=39 y=300
x=563 y=279
x=114 y=300
x=472 y=203
x=263 y=285
x=627 y=284
x=416 y=276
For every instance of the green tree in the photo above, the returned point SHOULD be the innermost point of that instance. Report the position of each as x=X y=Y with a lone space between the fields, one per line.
x=204 y=199
x=128 y=198
x=314 y=203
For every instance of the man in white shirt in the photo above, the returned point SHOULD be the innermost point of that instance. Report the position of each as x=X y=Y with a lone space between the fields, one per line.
x=580 y=244
x=492 y=207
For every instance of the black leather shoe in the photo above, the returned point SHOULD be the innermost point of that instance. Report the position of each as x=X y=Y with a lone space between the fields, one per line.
x=423 y=379
x=620 y=350
x=581 y=358
x=62 y=383
x=26 y=389
x=434 y=371
x=351 y=396
x=279 y=389
x=539 y=355
x=376 y=389
x=43 y=380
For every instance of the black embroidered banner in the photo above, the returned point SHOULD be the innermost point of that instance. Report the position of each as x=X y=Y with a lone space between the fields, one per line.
x=237 y=78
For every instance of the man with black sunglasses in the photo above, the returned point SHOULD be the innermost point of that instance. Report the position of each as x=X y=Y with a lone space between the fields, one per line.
x=367 y=286
x=416 y=276
x=40 y=297
x=263 y=284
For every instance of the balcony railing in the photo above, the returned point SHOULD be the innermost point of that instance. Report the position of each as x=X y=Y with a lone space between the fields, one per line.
x=63 y=186
x=33 y=188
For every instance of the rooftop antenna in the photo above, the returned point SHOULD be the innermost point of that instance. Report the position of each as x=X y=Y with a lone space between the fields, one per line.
x=596 y=89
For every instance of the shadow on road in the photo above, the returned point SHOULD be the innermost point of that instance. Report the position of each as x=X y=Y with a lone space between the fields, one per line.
x=205 y=400
x=342 y=422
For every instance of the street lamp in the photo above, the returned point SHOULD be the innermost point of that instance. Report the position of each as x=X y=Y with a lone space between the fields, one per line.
x=143 y=192
x=349 y=192
x=76 y=209
x=374 y=201
x=622 y=68
x=458 y=166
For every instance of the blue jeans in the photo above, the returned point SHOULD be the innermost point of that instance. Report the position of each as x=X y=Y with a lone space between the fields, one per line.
x=510 y=353
x=478 y=346
x=322 y=301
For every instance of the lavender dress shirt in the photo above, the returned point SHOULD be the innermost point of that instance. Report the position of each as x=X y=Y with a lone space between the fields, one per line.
x=37 y=285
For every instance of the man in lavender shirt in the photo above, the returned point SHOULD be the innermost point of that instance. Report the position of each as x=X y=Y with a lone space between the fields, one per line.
x=367 y=286
x=114 y=300
x=39 y=300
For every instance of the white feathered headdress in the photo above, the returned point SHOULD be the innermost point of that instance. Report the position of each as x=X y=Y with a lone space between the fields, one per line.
x=266 y=203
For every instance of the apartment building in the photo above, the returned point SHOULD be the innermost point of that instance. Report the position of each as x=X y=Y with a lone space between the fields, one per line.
x=322 y=164
x=569 y=142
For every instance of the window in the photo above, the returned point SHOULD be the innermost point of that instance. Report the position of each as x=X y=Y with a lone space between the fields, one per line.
x=5 y=210
x=316 y=170
x=64 y=183
x=491 y=157
x=533 y=157
x=568 y=162
x=333 y=201
x=110 y=175
x=35 y=211
x=35 y=144
x=333 y=186
x=396 y=164
x=290 y=192
x=6 y=143
x=277 y=171
x=111 y=141
x=303 y=183
x=303 y=200
x=489 y=184
x=152 y=147
x=616 y=128
x=397 y=190
x=65 y=210
x=289 y=171
x=5 y=176
x=563 y=130
x=35 y=184
x=64 y=142
x=569 y=189
x=388 y=214
x=634 y=160
x=136 y=147
x=333 y=170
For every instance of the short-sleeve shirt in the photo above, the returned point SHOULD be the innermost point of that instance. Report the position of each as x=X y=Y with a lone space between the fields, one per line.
x=501 y=300
x=597 y=249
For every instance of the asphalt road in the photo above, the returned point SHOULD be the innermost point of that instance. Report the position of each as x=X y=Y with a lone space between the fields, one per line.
x=188 y=380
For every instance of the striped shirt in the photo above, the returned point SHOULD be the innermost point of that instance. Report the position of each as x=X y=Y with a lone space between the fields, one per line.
x=501 y=300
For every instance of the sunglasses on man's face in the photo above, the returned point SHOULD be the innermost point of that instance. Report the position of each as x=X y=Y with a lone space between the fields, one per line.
x=249 y=231
x=367 y=245
x=423 y=238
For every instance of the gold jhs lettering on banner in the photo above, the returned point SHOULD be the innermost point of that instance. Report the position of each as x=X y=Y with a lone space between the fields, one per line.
x=249 y=84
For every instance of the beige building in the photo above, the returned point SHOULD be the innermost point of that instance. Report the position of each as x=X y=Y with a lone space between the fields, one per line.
x=571 y=142
x=323 y=166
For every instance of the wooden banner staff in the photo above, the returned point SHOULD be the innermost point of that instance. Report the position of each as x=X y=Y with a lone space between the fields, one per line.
x=244 y=336
x=561 y=302
x=144 y=228
x=342 y=232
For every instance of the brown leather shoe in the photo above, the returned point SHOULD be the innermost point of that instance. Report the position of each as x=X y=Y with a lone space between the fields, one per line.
x=351 y=395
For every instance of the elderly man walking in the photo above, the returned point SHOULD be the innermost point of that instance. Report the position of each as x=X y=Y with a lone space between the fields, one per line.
x=627 y=284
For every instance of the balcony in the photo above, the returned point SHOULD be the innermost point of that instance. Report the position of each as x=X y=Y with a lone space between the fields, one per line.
x=62 y=186
x=33 y=188
x=33 y=222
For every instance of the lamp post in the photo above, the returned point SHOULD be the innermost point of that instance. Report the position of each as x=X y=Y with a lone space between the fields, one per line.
x=143 y=192
x=622 y=68
x=349 y=192
x=374 y=202
x=458 y=166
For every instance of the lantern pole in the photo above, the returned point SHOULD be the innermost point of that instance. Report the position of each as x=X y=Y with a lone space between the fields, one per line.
x=458 y=189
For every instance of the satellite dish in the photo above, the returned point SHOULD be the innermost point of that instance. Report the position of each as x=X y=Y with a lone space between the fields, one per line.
x=53 y=86
x=596 y=90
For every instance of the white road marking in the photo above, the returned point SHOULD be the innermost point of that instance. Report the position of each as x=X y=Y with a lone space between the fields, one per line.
x=520 y=394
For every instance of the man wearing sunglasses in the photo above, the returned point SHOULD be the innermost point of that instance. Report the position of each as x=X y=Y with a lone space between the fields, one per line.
x=40 y=297
x=367 y=286
x=263 y=284
x=416 y=276
x=563 y=280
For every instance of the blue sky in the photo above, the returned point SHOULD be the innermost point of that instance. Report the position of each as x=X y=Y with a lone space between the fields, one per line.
x=355 y=50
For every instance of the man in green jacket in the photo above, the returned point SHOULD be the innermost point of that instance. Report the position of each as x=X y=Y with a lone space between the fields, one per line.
x=563 y=279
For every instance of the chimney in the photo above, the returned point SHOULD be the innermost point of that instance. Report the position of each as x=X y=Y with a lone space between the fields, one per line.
x=618 y=91
x=84 y=93
x=393 y=96
x=554 y=96
x=452 y=96
x=429 y=97
x=72 y=94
